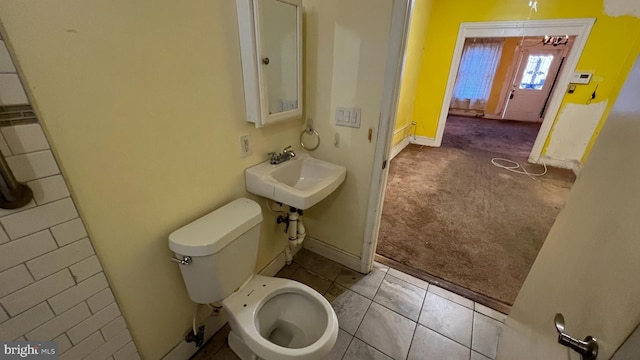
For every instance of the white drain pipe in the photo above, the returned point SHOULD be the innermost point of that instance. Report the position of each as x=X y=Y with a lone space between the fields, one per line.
x=296 y=233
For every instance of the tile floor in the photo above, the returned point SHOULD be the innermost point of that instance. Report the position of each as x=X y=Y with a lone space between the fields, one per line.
x=388 y=314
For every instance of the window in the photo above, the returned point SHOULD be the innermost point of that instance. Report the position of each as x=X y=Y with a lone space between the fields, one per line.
x=478 y=65
x=536 y=71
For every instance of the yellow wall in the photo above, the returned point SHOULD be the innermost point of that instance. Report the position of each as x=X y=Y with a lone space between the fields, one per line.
x=605 y=53
x=143 y=104
x=626 y=67
x=345 y=61
x=411 y=69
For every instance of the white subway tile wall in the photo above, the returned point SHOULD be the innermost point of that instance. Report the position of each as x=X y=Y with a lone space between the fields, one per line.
x=52 y=286
x=11 y=91
x=48 y=189
x=25 y=139
x=5 y=60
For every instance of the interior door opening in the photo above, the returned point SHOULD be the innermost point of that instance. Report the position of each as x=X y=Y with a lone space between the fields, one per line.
x=478 y=227
x=551 y=100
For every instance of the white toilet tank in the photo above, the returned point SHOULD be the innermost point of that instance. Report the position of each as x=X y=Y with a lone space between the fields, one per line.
x=223 y=246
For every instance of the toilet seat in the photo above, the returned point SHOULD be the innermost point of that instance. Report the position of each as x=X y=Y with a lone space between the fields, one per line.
x=282 y=319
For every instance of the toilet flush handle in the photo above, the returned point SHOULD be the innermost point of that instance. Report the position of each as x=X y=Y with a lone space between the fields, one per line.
x=186 y=260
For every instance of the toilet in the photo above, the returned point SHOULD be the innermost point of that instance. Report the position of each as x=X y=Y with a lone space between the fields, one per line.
x=270 y=318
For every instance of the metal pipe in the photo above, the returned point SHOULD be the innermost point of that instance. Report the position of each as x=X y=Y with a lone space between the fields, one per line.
x=13 y=195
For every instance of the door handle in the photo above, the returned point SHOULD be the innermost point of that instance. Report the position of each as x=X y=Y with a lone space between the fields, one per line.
x=587 y=348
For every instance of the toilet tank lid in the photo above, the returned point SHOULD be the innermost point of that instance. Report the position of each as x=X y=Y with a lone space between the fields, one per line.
x=212 y=232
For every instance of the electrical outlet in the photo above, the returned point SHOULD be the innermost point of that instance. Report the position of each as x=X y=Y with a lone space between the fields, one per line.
x=245 y=145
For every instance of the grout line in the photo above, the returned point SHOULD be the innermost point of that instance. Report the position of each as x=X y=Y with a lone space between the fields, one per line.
x=390 y=309
x=449 y=300
x=416 y=322
x=473 y=320
x=5 y=311
x=45 y=177
x=348 y=345
x=424 y=300
x=22 y=209
x=373 y=347
x=365 y=315
x=397 y=278
x=441 y=334
x=425 y=289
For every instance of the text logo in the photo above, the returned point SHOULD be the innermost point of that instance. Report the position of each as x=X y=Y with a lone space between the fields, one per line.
x=40 y=350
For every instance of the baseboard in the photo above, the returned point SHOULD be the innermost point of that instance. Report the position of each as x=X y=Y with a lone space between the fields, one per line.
x=277 y=263
x=466 y=112
x=423 y=140
x=184 y=350
x=572 y=165
x=399 y=147
x=332 y=253
x=492 y=116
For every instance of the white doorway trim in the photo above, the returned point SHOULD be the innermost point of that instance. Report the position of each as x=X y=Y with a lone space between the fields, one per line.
x=578 y=27
x=400 y=18
x=393 y=75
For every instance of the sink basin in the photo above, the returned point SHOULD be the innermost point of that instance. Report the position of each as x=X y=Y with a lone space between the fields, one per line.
x=300 y=182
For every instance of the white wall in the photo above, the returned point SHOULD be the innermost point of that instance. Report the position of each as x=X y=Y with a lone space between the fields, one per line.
x=346 y=53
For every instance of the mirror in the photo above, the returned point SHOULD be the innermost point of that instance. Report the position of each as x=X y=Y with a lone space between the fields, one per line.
x=270 y=44
x=279 y=46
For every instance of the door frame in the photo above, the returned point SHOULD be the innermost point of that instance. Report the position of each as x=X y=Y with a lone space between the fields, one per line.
x=580 y=28
x=393 y=75
x=517 y=75
x=400 y=22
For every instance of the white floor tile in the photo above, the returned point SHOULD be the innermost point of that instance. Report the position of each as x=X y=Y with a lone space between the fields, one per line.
x=496 y=315
x=486 y=332
x=428 y=344
x=388 y=331
x=447 y=318
x=361 y=351
x=478 y=356
x=408 y=278
x=451 y=296
x=365 y=285
x=400 y=296
x=343 y=341
x=350 y=309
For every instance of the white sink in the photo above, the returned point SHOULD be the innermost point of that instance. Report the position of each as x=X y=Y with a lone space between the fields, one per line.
x=300 y=182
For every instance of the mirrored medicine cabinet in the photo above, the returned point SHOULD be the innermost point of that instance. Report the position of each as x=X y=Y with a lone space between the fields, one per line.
x=271 y=49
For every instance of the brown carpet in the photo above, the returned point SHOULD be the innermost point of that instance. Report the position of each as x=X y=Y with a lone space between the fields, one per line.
x=450 y=213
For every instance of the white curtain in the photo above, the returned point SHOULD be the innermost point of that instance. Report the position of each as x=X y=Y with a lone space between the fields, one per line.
x=478 y=65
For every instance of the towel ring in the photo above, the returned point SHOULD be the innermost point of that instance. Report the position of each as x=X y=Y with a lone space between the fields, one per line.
x=309 y=131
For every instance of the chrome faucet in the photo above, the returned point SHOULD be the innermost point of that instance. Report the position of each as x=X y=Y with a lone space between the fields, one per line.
x=286 y=154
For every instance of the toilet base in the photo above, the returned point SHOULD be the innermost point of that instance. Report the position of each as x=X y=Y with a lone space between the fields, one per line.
x=240 y=348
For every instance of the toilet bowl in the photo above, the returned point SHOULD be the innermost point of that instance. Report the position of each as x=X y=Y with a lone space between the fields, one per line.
x=281 y=319
x=270 y=318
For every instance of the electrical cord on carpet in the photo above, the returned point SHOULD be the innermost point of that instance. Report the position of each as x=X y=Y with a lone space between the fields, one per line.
x=515 y=167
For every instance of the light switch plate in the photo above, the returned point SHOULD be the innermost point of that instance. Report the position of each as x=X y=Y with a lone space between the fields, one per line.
x=348 y=116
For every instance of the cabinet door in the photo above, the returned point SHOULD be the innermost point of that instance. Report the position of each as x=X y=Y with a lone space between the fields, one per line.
x=270 y=37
